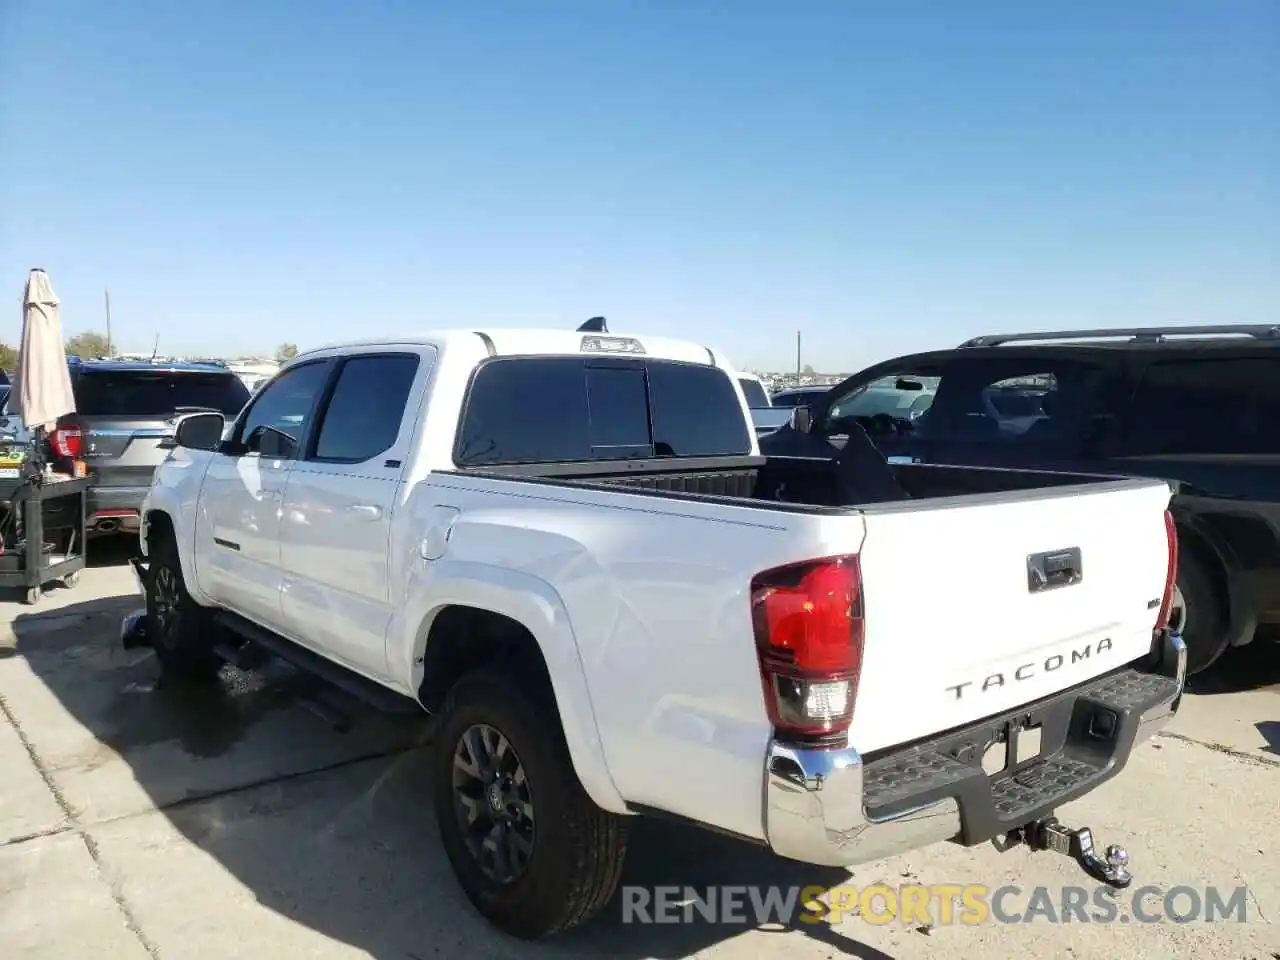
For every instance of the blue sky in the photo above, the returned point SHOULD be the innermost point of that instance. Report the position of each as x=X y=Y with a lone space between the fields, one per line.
x=883 y=176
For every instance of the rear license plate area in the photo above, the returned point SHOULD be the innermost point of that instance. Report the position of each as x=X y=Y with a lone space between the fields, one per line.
x=1013 y=747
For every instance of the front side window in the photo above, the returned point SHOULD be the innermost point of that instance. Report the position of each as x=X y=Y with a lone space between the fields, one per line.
x=903 y=397
x=366 y=408
x=276 y=422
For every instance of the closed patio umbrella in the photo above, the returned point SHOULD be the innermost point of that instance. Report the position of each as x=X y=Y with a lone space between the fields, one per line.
x=41 y=392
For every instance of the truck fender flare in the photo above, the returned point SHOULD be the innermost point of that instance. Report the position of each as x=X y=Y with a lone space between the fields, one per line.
x=177 y=496
x=535 y=605
x=166 y=504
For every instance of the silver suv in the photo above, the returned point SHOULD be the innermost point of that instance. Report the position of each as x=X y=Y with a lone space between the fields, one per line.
x=124 y=411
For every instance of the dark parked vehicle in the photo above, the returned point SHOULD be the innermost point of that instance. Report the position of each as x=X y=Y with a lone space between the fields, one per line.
x=125 y=411
x=1198 y=406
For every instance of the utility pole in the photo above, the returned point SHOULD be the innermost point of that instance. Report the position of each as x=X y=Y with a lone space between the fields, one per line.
x=797 y=354
x=106 y=296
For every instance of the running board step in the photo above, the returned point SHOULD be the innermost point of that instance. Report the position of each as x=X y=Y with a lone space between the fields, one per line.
x=244 y=655
x=372 y=693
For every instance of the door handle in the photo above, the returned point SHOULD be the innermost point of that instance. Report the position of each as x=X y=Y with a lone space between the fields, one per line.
x=365 y=511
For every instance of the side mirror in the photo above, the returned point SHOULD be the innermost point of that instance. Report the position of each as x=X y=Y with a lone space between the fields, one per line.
x=198 y=431
x=908 y=385
x=801 y=419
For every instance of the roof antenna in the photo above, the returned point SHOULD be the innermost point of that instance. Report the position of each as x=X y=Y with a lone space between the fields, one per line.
x=594 y=325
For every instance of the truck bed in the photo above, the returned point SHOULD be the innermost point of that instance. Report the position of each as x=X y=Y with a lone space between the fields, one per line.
x=997 y=630
x=793 y=483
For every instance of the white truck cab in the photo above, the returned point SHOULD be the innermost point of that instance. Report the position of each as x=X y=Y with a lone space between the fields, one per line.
x=572 y=548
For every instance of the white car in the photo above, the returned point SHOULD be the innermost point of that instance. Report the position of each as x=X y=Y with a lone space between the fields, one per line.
x=619 y=610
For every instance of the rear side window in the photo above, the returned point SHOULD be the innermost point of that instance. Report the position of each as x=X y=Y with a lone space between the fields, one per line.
x=567 y=409
x=1220 y=406
x=1016 y=401
x=156 y=393
x=366 y=408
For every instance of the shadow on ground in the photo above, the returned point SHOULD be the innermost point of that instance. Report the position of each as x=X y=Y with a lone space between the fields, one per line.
x=1270 y=730
x=332 y=831
x=112 y=551
x=1252 y=667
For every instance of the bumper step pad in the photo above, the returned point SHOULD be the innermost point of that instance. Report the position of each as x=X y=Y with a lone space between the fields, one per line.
x=1086 y=736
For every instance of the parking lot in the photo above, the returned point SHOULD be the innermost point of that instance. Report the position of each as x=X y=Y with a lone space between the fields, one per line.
x=140 y=820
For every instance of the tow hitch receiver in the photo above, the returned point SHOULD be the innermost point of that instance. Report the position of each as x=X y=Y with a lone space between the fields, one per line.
x=1111 y=868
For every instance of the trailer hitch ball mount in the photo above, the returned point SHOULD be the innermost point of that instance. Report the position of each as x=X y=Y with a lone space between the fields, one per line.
x=1110 y=867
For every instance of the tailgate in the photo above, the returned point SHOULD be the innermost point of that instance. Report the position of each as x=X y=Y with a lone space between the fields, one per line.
x=955 y=631
x=122 y=452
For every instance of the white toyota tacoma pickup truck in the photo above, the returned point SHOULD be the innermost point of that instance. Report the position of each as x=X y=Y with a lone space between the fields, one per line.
x=570 y=548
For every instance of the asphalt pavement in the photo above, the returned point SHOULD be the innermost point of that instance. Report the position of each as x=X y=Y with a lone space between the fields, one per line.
x=140 y=820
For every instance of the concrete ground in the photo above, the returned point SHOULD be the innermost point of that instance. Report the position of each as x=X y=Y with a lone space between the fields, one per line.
x=138 y=820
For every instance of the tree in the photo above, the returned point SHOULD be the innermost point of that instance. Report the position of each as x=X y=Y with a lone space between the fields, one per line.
x=8 y=357
x=88 y=344
x=808 y=370
x=286 y=351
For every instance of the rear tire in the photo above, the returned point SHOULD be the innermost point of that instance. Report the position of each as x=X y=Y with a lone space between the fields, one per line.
x=179 y=630
x=569 y=850
x=1198 y=613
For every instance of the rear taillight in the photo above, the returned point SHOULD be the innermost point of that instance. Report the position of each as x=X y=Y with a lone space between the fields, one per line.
x=67 y=442
x=809 y=628
x=1171 y=574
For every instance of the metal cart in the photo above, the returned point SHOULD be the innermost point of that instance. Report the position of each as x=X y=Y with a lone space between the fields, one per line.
x=44 y=533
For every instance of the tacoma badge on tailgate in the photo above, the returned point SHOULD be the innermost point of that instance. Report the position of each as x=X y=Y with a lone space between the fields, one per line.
x=1026 y=671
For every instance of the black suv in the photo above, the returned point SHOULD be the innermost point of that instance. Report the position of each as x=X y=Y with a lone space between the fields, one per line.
x=1196 y=405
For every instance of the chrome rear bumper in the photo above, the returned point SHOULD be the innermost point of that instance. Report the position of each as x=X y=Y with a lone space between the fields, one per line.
x=832 y=807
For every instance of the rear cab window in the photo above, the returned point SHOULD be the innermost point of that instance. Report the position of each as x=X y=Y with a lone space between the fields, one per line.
x=149 y=394
x=572 y=409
